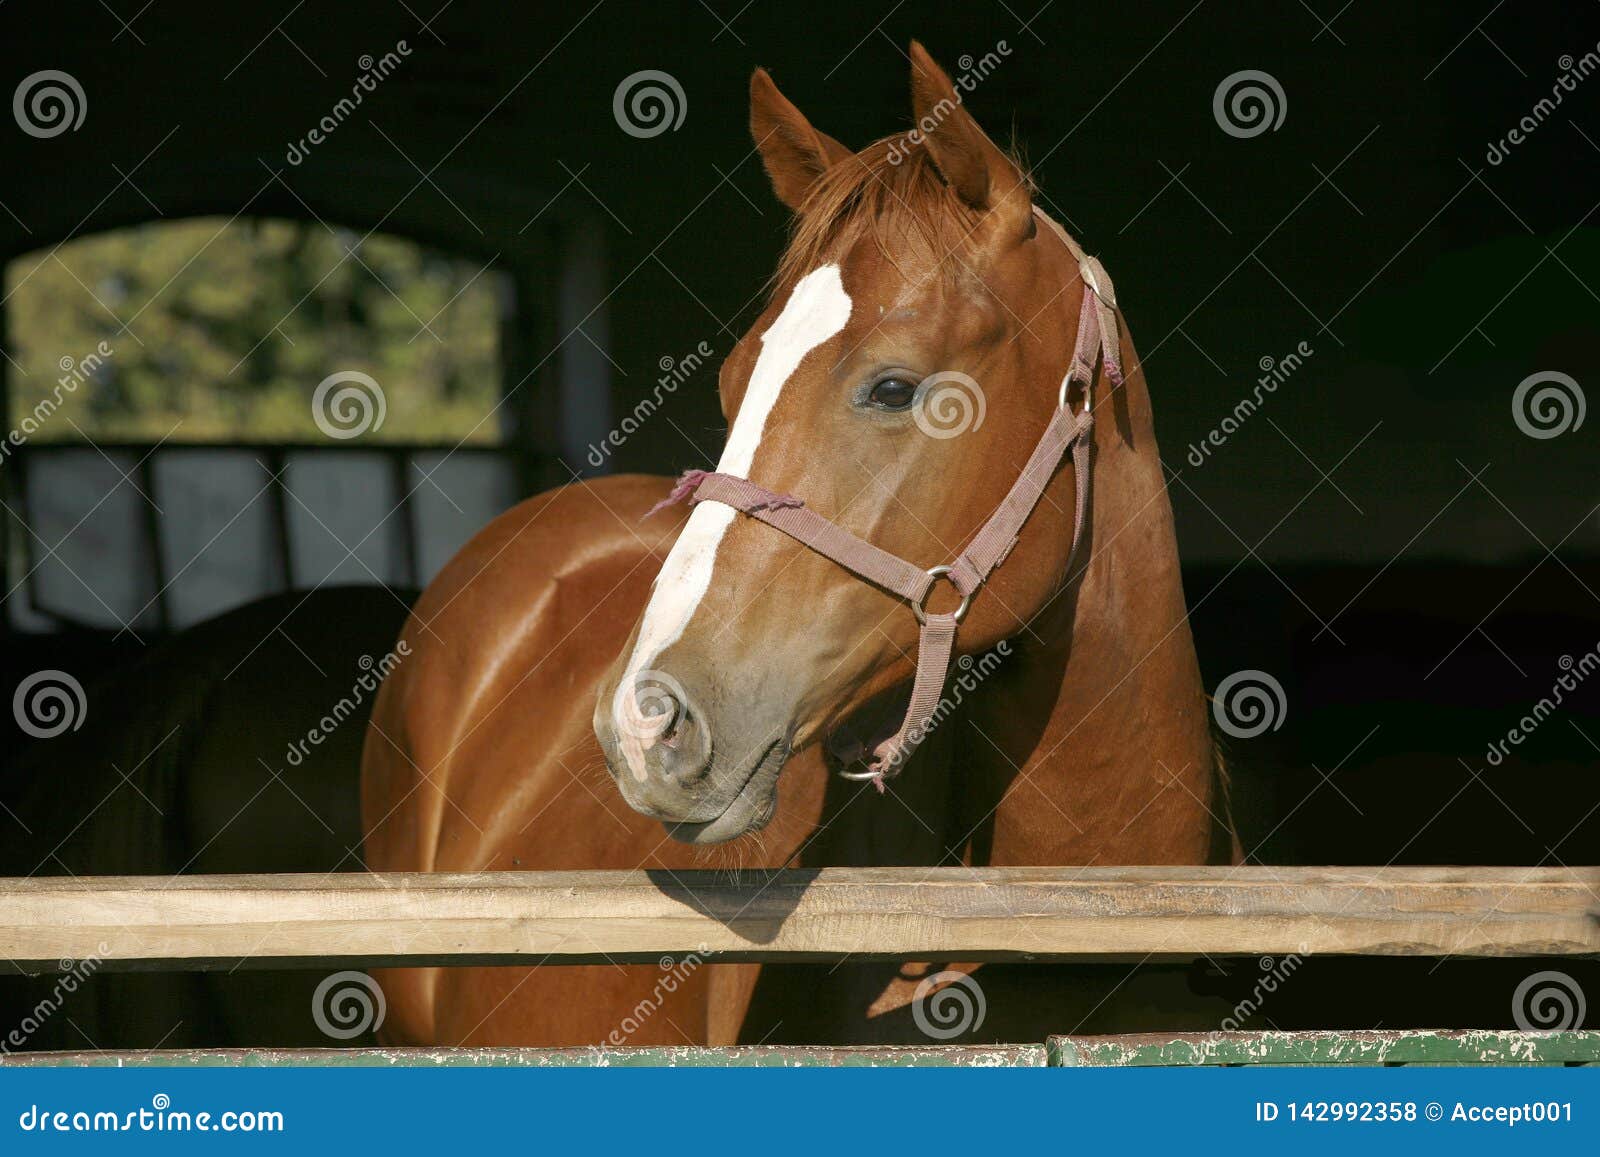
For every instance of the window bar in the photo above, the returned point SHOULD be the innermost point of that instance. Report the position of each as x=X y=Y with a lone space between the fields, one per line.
x=151 y=518
x=277 y=463
x=399 y=464
x=19 y=462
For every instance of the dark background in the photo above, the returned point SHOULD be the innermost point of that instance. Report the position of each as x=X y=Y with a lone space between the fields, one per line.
x=1381 y=537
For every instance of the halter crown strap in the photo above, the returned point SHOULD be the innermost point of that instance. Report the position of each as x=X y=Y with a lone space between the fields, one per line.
x=1097 y=340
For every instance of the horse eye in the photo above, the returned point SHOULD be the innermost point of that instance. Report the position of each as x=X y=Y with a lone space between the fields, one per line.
x=892 y=394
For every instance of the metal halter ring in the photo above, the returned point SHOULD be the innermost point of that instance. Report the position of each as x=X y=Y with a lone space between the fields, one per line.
x=937 y=572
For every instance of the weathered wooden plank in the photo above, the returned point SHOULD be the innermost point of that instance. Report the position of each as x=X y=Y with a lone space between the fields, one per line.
x=1362 y=1047
x=684 y=1056
x=983 y=914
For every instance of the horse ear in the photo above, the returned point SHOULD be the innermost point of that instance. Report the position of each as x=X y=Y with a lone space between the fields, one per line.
x=981 y=175
x=793 y=153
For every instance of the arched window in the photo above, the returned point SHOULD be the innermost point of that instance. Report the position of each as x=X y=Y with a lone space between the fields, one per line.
x=205 y=411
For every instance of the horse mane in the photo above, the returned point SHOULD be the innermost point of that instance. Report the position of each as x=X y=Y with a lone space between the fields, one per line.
x=892 y=192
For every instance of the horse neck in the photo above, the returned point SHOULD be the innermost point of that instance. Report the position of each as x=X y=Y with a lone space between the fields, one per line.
x=1093 y=745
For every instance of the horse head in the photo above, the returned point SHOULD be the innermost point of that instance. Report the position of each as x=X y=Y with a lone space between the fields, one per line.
x=911 y=357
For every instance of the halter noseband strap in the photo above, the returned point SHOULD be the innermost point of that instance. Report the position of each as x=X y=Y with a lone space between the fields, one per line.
x=1097 y=340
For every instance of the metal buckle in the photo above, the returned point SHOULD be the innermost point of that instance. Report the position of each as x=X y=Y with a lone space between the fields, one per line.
x=922 y=615
x=1066 y=384
x=866 y=775
x=1086 y=271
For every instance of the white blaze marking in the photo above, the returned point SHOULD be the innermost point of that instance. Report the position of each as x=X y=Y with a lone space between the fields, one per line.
x=817 y=310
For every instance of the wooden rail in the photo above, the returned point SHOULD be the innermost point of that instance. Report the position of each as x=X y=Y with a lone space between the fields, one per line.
x=201 y=922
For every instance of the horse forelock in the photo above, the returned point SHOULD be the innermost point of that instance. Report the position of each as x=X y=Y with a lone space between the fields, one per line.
x=891 y=193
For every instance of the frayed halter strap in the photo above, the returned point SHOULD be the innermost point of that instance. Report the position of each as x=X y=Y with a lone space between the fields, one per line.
x=1097 y=340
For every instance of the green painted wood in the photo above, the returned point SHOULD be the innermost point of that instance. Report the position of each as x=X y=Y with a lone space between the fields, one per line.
x=1470 y=1047
x=1373 y=1047
x=956 y=1056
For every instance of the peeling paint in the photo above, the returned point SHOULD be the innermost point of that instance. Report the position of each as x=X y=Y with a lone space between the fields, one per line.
x=1388 y=1047
x=683 y=1056
x=1369 y=1047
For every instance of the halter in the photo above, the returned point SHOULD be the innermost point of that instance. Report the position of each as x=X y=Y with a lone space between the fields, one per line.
x=1097 y=339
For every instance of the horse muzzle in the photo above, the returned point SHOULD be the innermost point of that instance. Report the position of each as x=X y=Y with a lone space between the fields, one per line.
x=706 y=784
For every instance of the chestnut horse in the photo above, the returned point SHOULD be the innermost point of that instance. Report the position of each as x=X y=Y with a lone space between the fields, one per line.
x=1080 y=736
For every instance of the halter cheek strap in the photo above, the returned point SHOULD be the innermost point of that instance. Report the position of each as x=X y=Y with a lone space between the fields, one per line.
x=1097 y=340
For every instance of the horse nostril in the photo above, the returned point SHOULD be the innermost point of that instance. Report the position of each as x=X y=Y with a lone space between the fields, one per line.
x=676 y=725
x=683 y=757
x=659 y=730
x=682 y=753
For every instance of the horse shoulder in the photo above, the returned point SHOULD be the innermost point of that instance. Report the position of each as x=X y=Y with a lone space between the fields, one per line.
x=491 y=661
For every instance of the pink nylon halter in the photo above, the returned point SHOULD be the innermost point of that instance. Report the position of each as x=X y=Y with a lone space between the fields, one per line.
x=1097 y=340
